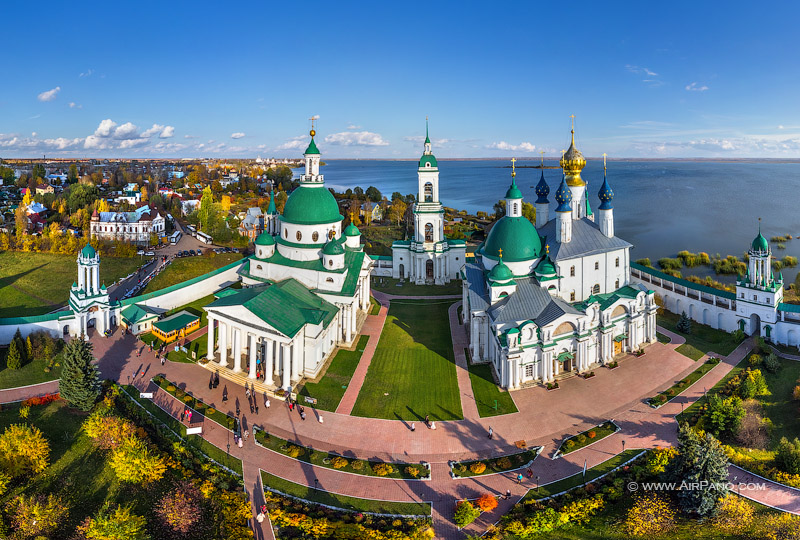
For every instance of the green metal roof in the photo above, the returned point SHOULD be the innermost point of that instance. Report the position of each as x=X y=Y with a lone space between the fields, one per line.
x=312 y=148
x=428 y=160
x=286 y=306
x=265 y=239
x=760 y=243
x=333 y=248
x=564 y=356
x=791 y=308
x=136 y=313
x=516 y=236
x=352 y=230
x=271 y=209
x=513 y=191
x=88 y=252
x=309 y=205
x=501 y=272
x=607 y=299
x=178 y=321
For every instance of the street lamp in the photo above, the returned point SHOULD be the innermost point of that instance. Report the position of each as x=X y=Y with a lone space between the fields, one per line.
x=623 y=445
x=537 y=484
x=316 y=482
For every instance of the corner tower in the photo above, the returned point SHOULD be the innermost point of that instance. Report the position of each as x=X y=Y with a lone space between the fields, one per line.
x=758 y=291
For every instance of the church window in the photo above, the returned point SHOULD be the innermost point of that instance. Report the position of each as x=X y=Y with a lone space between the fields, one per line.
x=572 y=296
x=331 y=234
x=330 y=262
x=529 y=371
x=503 y=295
x=755 y=297
x=742 y=295
x=596 y=265
x=314 y=236
x=617 y=262
x=616 y=285
x=329 y=280
x=299 y=236
x=259 y=267
x=428 y=191
x=286 y=233
x=516 y=208
x=428 y=232
x=596 y=289
x=572 y=271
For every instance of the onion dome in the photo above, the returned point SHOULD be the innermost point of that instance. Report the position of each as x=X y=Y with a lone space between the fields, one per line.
x=311 y=205
x=333 y=248
x=563 y=197
x=88 y=252
x=272 y=209
x=312 y=147
x=546 y=268
x=265 y=239
x=352 y=230
x=513 y=237
x=606 y=195
x=573 y=162
x=542 y=190
x=760 y=243
x=501 y=272
x=513 y=191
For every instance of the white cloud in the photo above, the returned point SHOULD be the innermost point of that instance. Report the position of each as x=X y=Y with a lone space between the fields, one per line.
x=521 y=147
x=33 y=134
x=73 y=105
x=153 y=130
x=49 y=95
x=353 y=126
x=356 y=138
x=105 y=128
x=315 y=117
x=126 y=131
x=87 y=73
x=167 y=132
x=163 y=132
x=295 y=143
x=133 y=143
x=781 y=127
x=693 y=87
x=650 y=76
x=237 y=135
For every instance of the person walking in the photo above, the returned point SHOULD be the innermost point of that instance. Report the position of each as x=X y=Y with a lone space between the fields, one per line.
x=247 y=434
x=433 y=425
x=266 y=401
x=491 y=433
x=247 y=392
x=427 y=421
x=519 y=478
x=508 y=494
x=413 y=427
x=163 y=360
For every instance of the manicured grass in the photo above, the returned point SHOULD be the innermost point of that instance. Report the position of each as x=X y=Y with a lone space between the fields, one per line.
x=331 y=387
x=199 y=346
x=703 y=338
x=216 y=454
x=374 y=306
x=576 y=480
x=487 y=393
x=583 y=439
x=684 y=383
x=785 y=349
x=690 y=351
x=30 y=373
x=390 y=286
x=324 y=459
x=690 y=411
x=186 y=268
x=413 y=372
x=220 y=418
x=662 y=338
x=496 y=465
x=38 y=283
x=341 y=501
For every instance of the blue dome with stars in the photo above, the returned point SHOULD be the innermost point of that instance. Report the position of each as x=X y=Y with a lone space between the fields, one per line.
x=542 y=190
x=563 y=197
x=606 y=195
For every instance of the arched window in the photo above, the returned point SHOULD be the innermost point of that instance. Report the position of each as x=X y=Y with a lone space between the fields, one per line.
x=286 y=233
x=331 y=234
x=314 y=236
x=428 y=191
x=516 y=208
x=428 y=232
x=572 y=271
x=572 y=296
x=329 y=280
x=596 y=265
x=503 y=294
x=596 y=289
x=330 y=262
x=259 y=267
x=617 y=262
x=616 y=284
x=299 y=236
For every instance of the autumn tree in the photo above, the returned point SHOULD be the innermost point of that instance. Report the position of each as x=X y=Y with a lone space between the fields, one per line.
x=14 y=356
x=397 y=211
x=133 y=461
x=651 y=515
x=226 y=203
x=23 y=449
x=486 y=502
x=206 y=208
x=118 y=523
x=80 y=379
x=108 y=431
x=180 y=509
x=32 y=515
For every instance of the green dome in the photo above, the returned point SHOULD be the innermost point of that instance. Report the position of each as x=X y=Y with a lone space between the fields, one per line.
x=352 y=230
x=546 y=267
x=760 y=243
x=312 y=148
x=333 y=248
x=426 y=160
x=265 y=239
x=311 y=206
x=513 y=191
x=516 y=236
x=88 y=252
x=501 y=272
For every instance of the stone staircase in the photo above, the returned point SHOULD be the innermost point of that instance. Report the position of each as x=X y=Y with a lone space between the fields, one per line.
x=241 y=379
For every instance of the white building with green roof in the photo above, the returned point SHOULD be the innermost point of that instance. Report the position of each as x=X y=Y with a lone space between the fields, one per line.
x=429 y=257
x=554 y=298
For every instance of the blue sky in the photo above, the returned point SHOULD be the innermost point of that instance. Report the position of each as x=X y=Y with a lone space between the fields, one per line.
x=673 y=79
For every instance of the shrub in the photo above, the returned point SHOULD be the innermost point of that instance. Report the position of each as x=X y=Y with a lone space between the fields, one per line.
x=210 y=411
x=339 y=462
x=357 y=465
x=738 y=336
x=108 y=431
x=754 y=360
x=684 y=325
x=179 y=509
x=294 y=451
x=651 y=515
x=753 y=384
x=734 y=515
x=582 y=438
x=465 y=514
x=23 y=449
x=24 y=411
x=796 y=392
x=570 y=443
x=32 y=515
x=771 y=363
x=787 y=456
x=383 y=469
x=724 y=416
x=659 y=458
x=187 y=399
x=486 y=502
x=115 y=524
x=412 y=471
x=171 y=388
x=504 y=463
x=779 y=526
x=14 y=357
x=478 y=467
x=135 y=462
x=592 y=434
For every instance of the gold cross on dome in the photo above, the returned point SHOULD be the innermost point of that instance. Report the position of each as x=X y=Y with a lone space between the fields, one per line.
x=573 y=120
x=541 y=152
x=513 y=170
x=547 y=248
x=500 y=252
x=312 y=120
x=604 y=160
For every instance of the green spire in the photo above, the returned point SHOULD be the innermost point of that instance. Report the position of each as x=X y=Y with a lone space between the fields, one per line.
x=312 y=147
x=272 y=209
x=588 y=206
x=427 y=139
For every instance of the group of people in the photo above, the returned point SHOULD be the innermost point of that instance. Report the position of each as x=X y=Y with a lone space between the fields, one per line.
x=187 y=414
x=292 y=404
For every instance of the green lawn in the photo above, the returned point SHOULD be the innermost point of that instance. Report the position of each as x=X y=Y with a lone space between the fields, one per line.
x=413 y=372
x=30 y=373
x=690 y=351
x=374 y=306
x=703 y=338
x=576 y=480
x=779 y=406
x=331 y=387
x=340 y=501
x=204 y=409
x=390 y=286
x=38 y=283
x=487 y=394
x=600 y=432
x=186 y=268
x=685 y=415
x=218 y=455
x=662 y=338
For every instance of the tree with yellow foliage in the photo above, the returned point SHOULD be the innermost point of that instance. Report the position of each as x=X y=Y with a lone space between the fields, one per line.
x=651 y=515
x=27 y=199
x=226 y=203
x=734 y=515
x=103 y=206
x=133 y=461
x=23 y=449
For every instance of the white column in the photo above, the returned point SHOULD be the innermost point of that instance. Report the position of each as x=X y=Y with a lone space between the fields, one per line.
x=268 y=354
x=237 y=349
x=251 y=349
x=348 y=324
x=275 y=354
x=223 y=344
x=285 y=365
x=297 y=360
x=210 y=353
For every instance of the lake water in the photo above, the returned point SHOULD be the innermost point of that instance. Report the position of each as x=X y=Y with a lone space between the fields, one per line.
x=660 y=207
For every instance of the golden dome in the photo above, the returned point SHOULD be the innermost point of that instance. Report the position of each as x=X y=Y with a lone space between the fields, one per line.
x=573 y=162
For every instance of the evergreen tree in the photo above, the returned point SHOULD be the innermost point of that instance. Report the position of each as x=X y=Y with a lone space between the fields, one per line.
x=701 y=471
x=14 y=357
x=29 y=349
x=684 y=325
x=80 y=379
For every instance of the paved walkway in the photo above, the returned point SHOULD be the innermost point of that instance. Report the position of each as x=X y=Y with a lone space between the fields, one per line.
x=579 y=403
x=21 y=393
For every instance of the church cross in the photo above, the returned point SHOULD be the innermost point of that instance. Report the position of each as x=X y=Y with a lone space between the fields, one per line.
x=500 y=252
x=604 y=160
x=542 y=154
x=573 y=120
x=513 y=170
x=312 y=121
x=547 y=248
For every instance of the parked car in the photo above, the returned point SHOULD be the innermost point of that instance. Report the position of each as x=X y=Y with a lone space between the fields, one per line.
x=140 y=252
x=150 y=253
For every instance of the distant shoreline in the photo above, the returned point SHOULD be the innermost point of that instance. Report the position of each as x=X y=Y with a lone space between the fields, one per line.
x=642 y=160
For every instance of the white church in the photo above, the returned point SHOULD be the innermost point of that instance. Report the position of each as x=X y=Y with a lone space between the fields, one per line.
x=429 y=257
x=544 y=301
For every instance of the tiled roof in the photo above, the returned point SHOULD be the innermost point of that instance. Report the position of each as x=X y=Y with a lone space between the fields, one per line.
x=586 y=240
x=530 y=301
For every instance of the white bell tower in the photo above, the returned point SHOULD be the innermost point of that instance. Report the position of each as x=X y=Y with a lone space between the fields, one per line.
x=88 y=299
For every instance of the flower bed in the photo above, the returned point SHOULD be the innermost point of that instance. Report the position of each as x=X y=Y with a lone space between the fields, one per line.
x=479 y=467
x=683 y=384
x=585 y=438
x=552 y=385
x=588 y=375
x=208 y=411
x=612 y=365
x=405 y=471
